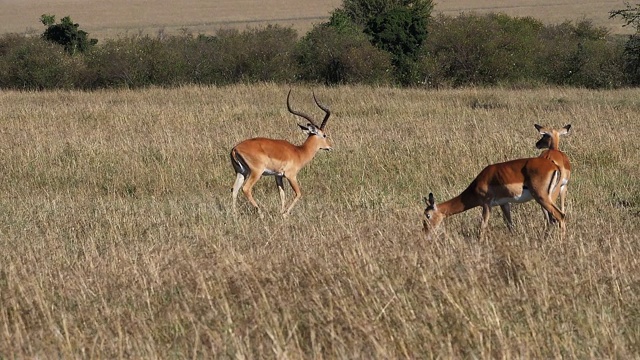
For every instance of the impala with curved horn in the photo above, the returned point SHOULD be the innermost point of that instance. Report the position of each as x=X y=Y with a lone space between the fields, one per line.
x=514 y=181
x=255 y=157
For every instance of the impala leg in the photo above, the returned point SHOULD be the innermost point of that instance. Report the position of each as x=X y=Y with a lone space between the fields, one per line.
x=486 y=214
x=552 y=209
x=563 y=196
x=296 y=188
x=556 y=193
x=506 y=215
x=234 y=192
x=281 y=190
x=247 y=189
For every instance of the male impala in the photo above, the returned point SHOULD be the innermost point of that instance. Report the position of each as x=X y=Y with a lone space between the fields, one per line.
x=514 y=181
x=255 y=157
x=551 y=140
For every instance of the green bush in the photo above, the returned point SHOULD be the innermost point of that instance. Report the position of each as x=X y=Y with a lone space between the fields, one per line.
x=483 y=49
x=580 y=55
x=391 y=47
x=632 y=60
x=265 y=54
x=331 y=56
x=35 y=64
x=138 y=61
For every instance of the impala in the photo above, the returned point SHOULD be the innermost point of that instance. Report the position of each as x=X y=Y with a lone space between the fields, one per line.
x=514 y=181
x=551 y=140
x=255 y=157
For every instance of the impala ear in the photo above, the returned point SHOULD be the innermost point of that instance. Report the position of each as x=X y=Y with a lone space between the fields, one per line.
x=565 y=129
x=539 y=128
x=431 y=201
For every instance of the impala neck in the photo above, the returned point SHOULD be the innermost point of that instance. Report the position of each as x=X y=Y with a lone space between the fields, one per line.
x=555 y=142
x=458 y=204
x=309 y=148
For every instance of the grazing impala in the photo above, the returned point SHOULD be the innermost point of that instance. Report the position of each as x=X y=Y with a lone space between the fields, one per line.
x=513 y=181
x=551 y=140
x=255 y=157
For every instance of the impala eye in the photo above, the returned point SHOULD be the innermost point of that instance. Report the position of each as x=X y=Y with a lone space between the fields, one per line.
x=428 y=216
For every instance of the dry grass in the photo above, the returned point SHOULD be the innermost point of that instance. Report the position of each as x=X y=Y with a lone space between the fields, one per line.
x=116 y=238
x=109 y=19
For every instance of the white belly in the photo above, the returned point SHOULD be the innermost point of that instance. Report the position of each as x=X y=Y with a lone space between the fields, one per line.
x=523 y=197
x=268 y=172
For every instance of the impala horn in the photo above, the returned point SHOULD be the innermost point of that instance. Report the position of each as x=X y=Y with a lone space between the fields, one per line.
x=325 y=109
x=301 y=114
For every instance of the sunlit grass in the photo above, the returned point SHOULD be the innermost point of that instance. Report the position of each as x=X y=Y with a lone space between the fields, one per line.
x=116 y=235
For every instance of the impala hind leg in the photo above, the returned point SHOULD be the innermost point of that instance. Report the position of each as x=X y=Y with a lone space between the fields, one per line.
x=552 y=211
x=247 y=189
x=563 y=196
x=236 y=189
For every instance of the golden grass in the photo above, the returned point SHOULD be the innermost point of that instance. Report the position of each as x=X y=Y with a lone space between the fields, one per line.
x=109 y=19
x=116 y=238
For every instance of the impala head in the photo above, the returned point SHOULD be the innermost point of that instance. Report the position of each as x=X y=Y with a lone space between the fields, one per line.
x=321 y=137
x=433 y=216
x=550 y=137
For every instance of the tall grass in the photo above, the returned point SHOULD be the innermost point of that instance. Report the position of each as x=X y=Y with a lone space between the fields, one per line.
x=117 y=239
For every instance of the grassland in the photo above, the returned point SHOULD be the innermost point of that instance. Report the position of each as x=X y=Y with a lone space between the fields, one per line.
x=109 y=19
x=116 y=237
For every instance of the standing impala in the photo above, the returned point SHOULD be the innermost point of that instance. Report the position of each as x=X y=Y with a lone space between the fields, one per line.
x=514 y=181
x=551 y=140
x=255 y=157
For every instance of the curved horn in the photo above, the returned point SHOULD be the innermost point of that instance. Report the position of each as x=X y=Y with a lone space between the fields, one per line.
x=301 y=114
x=325 y=109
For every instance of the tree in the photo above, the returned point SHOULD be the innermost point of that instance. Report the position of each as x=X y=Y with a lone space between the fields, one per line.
x=398 y=27
x=67 y=34
x=361 y=12
x=631 y=16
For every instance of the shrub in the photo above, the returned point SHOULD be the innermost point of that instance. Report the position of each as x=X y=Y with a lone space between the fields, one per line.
x=483 y=49
x=35 y=64
x=255 y=55
x=632 y=60
x=138 y=61
x=580 y=55
x=333 y=57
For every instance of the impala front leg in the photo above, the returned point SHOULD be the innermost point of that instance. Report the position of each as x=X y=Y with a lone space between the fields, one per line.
x=293 y=181
x=506 y=214
x=486 y=214
x=280 y=185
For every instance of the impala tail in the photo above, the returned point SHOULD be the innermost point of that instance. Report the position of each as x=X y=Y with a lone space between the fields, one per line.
x=239 y=164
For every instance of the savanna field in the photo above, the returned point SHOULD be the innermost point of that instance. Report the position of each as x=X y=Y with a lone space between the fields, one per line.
x=117 y=237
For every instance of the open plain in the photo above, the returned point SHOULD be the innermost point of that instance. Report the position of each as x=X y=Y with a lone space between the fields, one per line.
x=109 y=19
x=117 y=239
